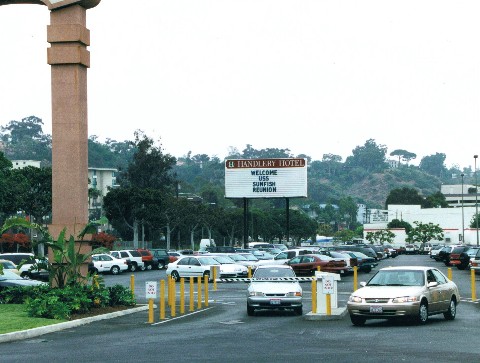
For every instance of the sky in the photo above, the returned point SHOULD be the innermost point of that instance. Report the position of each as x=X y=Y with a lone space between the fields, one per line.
x=312 y=76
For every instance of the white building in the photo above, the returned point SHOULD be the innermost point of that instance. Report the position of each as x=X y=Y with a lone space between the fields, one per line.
x=20 y=164
x=101 y=179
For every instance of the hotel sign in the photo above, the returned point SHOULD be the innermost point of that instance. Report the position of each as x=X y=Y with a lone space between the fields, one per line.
x=266 y=178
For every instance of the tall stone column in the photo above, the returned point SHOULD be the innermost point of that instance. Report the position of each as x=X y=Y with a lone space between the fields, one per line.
x=69 y=60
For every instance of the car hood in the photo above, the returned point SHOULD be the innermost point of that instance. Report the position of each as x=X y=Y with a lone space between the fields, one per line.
x=388 y=291
x=274 y=286
x=232 y=267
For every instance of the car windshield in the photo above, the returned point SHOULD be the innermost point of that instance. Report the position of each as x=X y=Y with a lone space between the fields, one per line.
x=250 y=257
x=238 y=258
x=9 y=275
x=273 y=272
x=397 y=278
x=208 y=261
x=8 y=264
x=224 y=259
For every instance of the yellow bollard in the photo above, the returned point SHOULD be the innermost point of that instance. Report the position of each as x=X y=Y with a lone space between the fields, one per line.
x=132 y=285
x=206 y=290
x=249 y=274
x=169 y=288
x=329 y=304
x=355 y=278
x=449 y=271
x=474 y=288
x=314 y=296
x=150 y=311
x=162 y=299
x=318 y=268
x=214 y=274
x=174 y=302
x=199 y=292
x=191 y=294
x=182 y=296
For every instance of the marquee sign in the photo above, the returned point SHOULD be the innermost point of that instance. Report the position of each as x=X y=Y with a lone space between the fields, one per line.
x=266 y=178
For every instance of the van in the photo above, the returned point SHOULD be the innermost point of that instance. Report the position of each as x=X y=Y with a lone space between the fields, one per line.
x=206 y=242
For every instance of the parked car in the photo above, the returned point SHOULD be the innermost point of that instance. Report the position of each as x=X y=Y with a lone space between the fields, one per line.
x=411 y=249
x=192 y=266
x=26 y=262
x=132 y=257
x=358 y=248
x=435 y=250
x=9 y=266
x=268 y=291
x=466 y=256
x=104 y=262
x=308 y=264
x=229 y=268
x=11 y=279
x=243 y=260
x=444 y=254
x=475 y=261
x=148 y=260
x=162 y=257
x=454 y=257
x=284 y=256
x=404 y=292
x=364 y=262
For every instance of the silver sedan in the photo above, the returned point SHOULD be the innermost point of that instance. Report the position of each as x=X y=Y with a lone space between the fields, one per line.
x=409 y=292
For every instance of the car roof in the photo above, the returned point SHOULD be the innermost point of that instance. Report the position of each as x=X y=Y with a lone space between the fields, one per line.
x=261 y=267
x=393 y=268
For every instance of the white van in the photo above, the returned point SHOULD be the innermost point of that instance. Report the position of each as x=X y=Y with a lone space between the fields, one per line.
x=206 y=242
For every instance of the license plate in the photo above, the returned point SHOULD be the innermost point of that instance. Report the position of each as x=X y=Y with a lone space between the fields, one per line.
x=376 y=309
x=274 y=301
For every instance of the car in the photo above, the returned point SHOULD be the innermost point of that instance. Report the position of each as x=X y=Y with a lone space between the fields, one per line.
x=11 y=279
x=459 y=257
x=466 y=256
x=162 y=257
x=132 y=257
x=229 y=268
x=364 y=262
x=408 y=292
x=351 y=261
x=475 y=261
x=192 y=266
x=411 y=249
x=268 y=290
x=9 y=266
x=242 y=260
x=284 y=256
x=380 y=250
x=262 y=255
x=366 y=250
x=148 y=260
x=26 y=262
x=308 y=264
x=435 y=250
x=106 y=263
x=444 y=254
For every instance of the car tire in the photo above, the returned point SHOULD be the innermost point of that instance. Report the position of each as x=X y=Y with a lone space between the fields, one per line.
x=115 y=270
x=357 y=320
x=94 y=271
x=422 y=317
x=250 y=310
x=132 y=267
x=462 y=266
x=175 y=275
x=298 y=310
x=142 y=268
x=149 y=267
x=452 y=310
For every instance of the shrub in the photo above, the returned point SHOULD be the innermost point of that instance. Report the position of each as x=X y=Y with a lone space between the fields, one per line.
x=120 y=295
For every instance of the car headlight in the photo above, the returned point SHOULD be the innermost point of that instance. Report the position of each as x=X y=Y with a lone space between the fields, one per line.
x=405 y=299
x=255 y=293
x=355 y=299
x=295 y=293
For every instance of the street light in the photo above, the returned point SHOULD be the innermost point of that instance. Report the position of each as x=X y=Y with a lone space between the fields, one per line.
x=463 y=215
x=476 y=196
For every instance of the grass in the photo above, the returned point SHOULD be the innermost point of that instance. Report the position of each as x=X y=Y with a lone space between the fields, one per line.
x=13 y=317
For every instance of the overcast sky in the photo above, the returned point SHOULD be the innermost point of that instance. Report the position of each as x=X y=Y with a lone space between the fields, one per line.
x=315 y=77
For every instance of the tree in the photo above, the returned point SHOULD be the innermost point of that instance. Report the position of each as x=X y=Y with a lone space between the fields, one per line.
x=434 y=164
x=380 y=237
x=348 y=209
x=436 y=200
x=397 y=223
x=424 y=232
x=332 y=161
x=344 y=235
x=370 y=157
x=403 y=155
x=405 y=195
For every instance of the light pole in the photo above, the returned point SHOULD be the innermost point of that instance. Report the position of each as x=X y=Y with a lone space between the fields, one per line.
x=476 y=196
x=463 y=215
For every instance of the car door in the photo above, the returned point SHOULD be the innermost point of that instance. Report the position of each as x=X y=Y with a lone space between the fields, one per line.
x=435 y=293
x=184 y=268
x=444 y=290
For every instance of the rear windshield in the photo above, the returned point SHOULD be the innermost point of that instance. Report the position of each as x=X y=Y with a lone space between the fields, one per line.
x=135 y=254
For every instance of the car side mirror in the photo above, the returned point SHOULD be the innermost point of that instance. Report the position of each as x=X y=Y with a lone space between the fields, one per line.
x=363 y=284
x=432 y=284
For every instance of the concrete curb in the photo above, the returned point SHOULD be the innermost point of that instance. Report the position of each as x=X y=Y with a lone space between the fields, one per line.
x=337 y=314
x=35 y=332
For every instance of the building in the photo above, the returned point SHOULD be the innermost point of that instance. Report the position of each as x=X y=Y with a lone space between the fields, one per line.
x=454 y=194
x=20 y=164
x=100 y=179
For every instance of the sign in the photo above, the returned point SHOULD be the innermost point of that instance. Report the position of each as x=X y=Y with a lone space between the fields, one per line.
x=266 y=178
x=151 y=289
x=327 y=284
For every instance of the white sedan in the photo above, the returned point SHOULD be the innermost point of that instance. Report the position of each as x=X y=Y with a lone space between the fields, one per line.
x=104 y=262
x=191 y=266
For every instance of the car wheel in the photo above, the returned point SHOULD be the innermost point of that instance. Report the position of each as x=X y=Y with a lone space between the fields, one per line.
x=423 y=313
x=462 y=266
x=298 y=311
x=357 y=320
x=452 y=310
x=142 y=268
x=161 y=265
x=250 y=310
x=94 y=271
x=149 y=267
x=115 y=270
x=175 y=276
x=133 y=267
